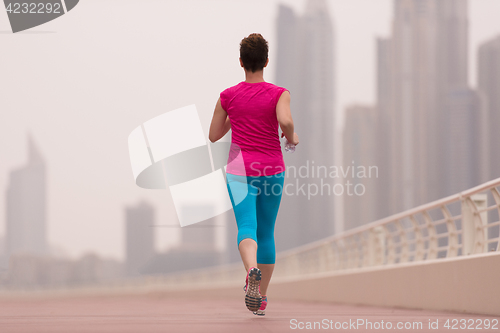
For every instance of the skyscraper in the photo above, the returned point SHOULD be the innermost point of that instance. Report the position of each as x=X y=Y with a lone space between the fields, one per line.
x=26 y=230
x=452 y=81
x=415 y=97
x=305 y=66
x=429 y=60
x=385 y=152
x=139 y=241
x=360 y=147
x=489 y=84
x=466 y=140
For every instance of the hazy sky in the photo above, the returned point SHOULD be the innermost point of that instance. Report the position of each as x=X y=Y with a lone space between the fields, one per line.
x=82 y=82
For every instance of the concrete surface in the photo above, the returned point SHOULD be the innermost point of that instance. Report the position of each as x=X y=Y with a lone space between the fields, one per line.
x=166 y=313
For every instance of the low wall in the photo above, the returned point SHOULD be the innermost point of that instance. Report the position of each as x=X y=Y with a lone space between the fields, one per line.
x=469 y=284
x=464 y=284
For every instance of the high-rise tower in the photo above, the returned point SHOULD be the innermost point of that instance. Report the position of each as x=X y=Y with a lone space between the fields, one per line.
x=360 y=147
x=489 y=84
x=26 y=206
x=429 y=56
x=139 y=241
x=305 y=66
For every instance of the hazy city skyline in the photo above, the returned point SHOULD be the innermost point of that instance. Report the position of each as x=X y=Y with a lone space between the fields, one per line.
x=81 y=96
x=429 y=133
x=306 y=67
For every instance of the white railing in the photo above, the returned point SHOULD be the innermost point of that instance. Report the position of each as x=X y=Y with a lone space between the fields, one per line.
x=449 y=227
x=461 y=224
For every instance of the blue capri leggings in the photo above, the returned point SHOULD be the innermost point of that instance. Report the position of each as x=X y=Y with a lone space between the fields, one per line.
x=256 y=200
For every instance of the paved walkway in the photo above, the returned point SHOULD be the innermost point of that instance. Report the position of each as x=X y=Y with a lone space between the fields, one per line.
x=161 y=313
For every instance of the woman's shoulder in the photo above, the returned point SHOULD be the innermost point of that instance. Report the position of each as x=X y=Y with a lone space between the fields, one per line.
x=232 y=88
x=275 y=86
x=227 y=95
x=278 y=90
x=275 y=91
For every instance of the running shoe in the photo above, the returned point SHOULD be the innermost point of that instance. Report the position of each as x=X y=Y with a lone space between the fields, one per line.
x=253 y=299
x=262 y=310
x=246 y=284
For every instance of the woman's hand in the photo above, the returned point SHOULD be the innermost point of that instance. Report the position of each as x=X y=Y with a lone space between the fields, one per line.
x=295 y=138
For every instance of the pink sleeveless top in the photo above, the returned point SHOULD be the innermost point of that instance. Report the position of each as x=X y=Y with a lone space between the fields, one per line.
x=255 y=143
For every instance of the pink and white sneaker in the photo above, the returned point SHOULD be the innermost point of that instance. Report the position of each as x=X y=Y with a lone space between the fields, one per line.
x=253 y=299
x=262 y=310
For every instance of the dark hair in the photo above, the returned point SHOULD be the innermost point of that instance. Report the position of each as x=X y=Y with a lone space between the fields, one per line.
x=253 y=52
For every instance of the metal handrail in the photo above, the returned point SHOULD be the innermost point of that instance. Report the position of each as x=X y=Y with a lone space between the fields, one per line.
x=409 y=236
x=468 y=237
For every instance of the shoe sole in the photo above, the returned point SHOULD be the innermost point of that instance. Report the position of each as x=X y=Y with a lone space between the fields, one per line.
x=260 y=313
x=253 y=299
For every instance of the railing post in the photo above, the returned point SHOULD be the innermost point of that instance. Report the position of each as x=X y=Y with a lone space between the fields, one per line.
x=496 y=198
x=376 y=246
x=403 y=242
x=419 y=242
x=343 y=253
x=366 y=249
x=336 y=256
x=351 y=252
x=326 y=258
x=390 y=246
x=432 y=238
x=452 y=250
x=474 y=224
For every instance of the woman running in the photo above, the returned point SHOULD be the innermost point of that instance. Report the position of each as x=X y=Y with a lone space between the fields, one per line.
x=255 y=173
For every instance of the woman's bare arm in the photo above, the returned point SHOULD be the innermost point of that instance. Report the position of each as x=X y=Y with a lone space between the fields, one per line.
x=285 y=120
x=220 y=123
